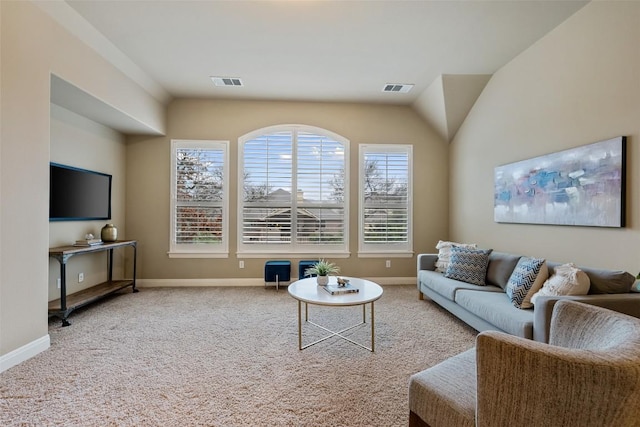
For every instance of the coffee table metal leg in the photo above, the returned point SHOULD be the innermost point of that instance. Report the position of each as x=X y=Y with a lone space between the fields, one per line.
x=373 y=329
x=299 y=325
x=334 y=333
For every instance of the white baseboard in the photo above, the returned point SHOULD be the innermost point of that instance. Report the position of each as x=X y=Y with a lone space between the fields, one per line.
x=178 y=283
x=23 y=353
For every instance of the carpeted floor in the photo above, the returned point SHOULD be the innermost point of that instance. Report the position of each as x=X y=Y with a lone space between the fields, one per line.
x=227 y=357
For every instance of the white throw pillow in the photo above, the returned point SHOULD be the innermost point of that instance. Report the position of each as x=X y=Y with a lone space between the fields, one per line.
x=444 y=253
x=567 y=279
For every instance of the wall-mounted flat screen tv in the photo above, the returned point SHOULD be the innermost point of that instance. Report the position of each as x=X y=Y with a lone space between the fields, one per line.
x=78 y=194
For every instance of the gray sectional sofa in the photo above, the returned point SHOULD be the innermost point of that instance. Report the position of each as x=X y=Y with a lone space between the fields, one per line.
x=489 y=308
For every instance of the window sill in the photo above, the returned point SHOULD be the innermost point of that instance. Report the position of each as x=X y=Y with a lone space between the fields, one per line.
x=386 y=254
x=313 y=255
x=198 y=255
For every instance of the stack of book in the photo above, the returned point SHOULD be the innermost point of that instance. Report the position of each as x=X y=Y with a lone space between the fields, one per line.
x=88 y=242
x=337 y=289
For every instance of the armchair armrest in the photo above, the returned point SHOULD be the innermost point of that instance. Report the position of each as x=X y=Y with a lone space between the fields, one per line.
x=628 y=303
x=520 y=380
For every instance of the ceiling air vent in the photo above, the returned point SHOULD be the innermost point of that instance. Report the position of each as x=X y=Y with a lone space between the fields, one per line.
x=227 y=81
x=397 y=87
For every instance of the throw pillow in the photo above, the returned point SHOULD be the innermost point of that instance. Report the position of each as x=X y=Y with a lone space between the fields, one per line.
x=567 y=279
x=444 y=253
x=468 y=265
x=527 y=279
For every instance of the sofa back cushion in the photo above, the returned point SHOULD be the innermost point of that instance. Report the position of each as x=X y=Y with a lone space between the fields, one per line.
x=605 y=281
x=500 y=267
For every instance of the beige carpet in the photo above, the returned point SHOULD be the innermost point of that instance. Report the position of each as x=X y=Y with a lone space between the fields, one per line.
x=227 y=357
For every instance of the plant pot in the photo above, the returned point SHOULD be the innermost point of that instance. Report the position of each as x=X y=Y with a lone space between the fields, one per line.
x=322 y=280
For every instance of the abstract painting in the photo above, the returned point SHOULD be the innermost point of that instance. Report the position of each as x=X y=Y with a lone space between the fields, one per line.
x=582 y=186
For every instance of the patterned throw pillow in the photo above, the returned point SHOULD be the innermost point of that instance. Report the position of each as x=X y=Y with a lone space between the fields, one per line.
x=527 y=279
x=444 y=253
x=468 y=265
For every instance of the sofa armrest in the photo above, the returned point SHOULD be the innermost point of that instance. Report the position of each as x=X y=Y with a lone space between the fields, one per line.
x=518 y=379
x=427 y=261
x=628 y=303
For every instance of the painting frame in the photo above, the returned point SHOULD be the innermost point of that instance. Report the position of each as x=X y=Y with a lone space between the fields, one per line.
x=582 y=186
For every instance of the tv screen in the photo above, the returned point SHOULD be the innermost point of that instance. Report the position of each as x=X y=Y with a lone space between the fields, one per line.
x=78 y=194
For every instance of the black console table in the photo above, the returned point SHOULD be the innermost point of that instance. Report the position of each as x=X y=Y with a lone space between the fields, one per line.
x=63 y=307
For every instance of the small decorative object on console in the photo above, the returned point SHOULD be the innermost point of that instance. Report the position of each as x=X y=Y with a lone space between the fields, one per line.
x=88 y=242
x=109 y=233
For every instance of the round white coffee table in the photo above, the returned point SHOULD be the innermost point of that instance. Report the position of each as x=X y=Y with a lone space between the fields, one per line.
x=308 y=292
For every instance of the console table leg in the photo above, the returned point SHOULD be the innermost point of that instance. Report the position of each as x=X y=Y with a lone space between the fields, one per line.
x=135 y=259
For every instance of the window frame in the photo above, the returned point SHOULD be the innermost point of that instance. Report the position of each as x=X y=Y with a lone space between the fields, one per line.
x=340 y=250
x=199 y=250
x=384 y=249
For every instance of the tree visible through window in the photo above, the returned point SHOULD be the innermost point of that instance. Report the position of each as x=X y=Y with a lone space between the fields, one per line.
x=289 y=198
x=385 y=203
x=199 y=213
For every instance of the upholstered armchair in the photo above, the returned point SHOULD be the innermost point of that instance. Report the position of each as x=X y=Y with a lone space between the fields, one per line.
x=588 y=375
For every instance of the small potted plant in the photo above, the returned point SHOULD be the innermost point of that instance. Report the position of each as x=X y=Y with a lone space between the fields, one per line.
x=322 y=269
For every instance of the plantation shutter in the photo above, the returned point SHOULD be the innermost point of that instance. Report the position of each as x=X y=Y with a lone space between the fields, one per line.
x=385 y=189
x=198 y=196
x=266 y=212
x=292 y=191
x=320 y=197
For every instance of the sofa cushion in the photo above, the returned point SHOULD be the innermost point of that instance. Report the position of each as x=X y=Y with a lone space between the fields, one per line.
x=527 y=279
x=609 y=281
x=444 y=253
x=468 y=265
x=447 y=287
x=496 y=308
x=500 y=267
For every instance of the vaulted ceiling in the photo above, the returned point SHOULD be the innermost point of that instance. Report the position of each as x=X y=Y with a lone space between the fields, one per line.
x=327 y=51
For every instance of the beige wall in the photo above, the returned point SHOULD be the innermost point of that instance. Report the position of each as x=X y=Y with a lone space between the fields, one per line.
x=79 y=142
x=32 y=47
x=148 y=179
x=580 y=84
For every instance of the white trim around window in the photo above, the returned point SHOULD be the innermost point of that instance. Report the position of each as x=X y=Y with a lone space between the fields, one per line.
x=385 y=200
x=199 y=199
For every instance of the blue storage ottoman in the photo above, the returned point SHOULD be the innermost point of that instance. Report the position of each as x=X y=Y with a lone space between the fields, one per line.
x=277 y=271
x=302 y=267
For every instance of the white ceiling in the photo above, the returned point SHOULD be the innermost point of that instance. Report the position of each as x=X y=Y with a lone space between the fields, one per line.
x=314 y=50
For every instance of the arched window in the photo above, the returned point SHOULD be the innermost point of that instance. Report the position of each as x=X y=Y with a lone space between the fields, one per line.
x=293 y=191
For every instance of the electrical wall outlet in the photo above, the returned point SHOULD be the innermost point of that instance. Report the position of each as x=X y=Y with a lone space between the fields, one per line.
x=387 y=263
x=80 y=277
x=241 y=263
x=59 y=283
